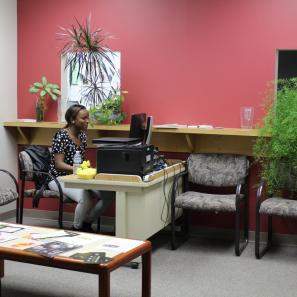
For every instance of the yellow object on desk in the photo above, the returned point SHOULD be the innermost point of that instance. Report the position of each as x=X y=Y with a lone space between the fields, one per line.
x=88 y=173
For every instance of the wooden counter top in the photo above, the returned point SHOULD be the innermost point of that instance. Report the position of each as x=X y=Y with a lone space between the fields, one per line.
x=186 y=140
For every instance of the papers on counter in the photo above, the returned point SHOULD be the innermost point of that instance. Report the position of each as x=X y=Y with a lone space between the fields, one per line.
x=169 y=126
x=176 y=126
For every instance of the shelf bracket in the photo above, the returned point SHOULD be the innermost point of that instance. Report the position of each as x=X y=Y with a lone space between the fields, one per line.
x=23 y=134
x=189 y=143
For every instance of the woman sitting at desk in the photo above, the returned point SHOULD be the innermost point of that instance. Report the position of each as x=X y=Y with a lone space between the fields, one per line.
x=65 y=143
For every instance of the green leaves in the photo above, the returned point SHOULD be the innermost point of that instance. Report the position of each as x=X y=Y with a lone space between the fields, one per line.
x=109 y=112
x=33 y=89
x=38 y=85
x=85 y=51
x=44 y=88
x=276 y=146
x=44 y=80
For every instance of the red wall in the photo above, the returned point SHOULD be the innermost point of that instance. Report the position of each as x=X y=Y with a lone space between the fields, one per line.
x=185 y=61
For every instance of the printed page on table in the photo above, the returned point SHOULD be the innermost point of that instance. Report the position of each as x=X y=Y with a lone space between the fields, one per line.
x=9 y=228
x=108 y=245
x=52 y=249
x=6 y=237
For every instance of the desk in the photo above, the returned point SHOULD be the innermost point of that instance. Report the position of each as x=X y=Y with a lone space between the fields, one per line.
x=143 y=249
x=141 y=207
x=184 y=140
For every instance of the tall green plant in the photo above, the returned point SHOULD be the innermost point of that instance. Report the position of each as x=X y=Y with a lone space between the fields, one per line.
x=85 y=50
x=276 y=146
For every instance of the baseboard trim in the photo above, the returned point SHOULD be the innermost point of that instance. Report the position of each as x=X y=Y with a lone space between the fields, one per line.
x=107 y=224
x=228 y=234
x=7 y=215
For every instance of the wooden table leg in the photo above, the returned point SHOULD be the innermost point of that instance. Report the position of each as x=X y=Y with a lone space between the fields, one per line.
x=104 y=284
x=146 y=274
x=1 y=268
x=1 y=274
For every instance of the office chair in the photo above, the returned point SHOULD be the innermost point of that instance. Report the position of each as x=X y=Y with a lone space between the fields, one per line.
x=10 y=194
x=275 y=205
x=27 y=175
x=213 y=172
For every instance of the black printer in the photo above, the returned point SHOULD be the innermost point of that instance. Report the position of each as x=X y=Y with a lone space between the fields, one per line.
x=125 y=159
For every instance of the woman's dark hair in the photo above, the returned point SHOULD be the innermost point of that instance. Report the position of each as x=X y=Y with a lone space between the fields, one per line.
x=72 y=112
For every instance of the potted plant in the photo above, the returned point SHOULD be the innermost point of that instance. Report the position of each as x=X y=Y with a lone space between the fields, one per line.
x=87 y=55
x=44 y=90
x=109 y=112
x=275 y=148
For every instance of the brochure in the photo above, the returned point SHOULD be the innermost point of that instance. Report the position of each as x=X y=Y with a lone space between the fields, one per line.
x=6 y=237
x=60 y=233
x=92 y=257
x=51 y=249
x=9 y=228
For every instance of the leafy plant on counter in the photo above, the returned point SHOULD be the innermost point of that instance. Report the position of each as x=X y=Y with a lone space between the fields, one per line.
x=44 y=88
x=109 y=112
x=275 y=148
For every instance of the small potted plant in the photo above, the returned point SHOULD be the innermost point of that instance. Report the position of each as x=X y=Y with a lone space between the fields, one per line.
x=44 y=90
x=109 y=112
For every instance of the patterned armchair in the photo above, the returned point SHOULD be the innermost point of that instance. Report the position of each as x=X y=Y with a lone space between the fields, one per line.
x=213 y=171
x=271 y=206
x=10 y=194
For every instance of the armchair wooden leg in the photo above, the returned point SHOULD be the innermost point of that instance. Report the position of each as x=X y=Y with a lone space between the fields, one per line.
x=61 y=214
x=17 y=210
x=173 y=239
x=260 y=252
x=237 y=231
x=240 y=246
x=98 y=224
x=186 y=222
x=1 y=275
x=184 y=230
x=21 y=209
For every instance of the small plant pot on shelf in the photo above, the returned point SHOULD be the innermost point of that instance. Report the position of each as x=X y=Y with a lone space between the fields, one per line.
x=39 y=112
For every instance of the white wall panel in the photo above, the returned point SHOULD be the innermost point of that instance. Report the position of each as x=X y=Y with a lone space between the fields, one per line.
x=8 y=84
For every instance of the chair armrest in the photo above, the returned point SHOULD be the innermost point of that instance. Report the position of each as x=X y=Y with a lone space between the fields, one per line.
x=49 y=175
x=175 y=184
x=12 y=177
x=238 y=192
x=260 y=195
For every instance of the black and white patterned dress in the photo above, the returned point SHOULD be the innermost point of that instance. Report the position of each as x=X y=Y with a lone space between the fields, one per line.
x=63 y=144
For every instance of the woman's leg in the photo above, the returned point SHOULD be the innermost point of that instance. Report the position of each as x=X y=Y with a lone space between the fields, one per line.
x=83 y=199
x=106 y=198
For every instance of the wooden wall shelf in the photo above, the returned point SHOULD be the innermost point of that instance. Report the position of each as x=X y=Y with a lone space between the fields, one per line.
x=183 y=140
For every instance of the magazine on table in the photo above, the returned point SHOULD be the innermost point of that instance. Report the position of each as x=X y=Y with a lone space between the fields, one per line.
x=6 y=237
x=52 y=249
x=92 y=257
x=9 y=228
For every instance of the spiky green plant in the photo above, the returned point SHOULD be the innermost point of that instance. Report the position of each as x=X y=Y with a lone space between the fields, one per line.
x=276 y=145
x=86 y=50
